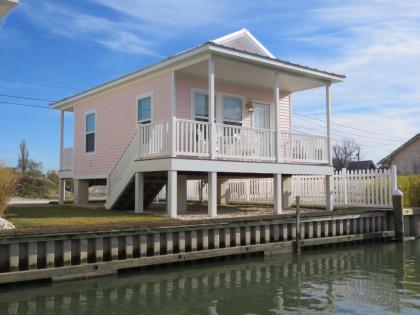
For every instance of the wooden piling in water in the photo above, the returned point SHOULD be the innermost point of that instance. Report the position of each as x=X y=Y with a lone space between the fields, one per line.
x=298 y=230
x=397 y=203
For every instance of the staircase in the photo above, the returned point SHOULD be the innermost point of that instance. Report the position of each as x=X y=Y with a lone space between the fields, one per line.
x=148 y=141
x=152 y=186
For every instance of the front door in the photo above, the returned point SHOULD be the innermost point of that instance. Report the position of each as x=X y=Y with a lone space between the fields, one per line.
x=261 y=116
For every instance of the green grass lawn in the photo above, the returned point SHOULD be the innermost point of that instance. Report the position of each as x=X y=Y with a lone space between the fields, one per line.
x=60 y=216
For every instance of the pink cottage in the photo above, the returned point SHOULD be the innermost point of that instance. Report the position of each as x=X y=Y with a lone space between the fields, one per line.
x=217 y=111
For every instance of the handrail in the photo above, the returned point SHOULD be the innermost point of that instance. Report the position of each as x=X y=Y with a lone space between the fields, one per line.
x=192 y=138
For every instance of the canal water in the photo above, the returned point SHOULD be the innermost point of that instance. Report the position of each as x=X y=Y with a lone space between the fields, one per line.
x=354 y=279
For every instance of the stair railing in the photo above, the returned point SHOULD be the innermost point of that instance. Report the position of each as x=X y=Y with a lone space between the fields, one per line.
x=128 y=155
x=149 y=140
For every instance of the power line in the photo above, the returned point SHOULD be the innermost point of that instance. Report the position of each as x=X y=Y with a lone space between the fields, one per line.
x=25 y=105
x=28 y=98
x=40 y=83
x=336 y=139
x=344 y=134
x=347 y=133
x=350 y=127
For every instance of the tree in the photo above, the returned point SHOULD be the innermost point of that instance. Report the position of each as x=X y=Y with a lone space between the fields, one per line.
x=23 y=157
x=344 y=152
x=8 y=181
x=52 y=175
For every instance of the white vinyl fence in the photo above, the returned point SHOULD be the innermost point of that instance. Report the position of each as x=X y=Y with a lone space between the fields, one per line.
x=372 y=188
x=193 y=191
x=251 y=190
x=367 y=188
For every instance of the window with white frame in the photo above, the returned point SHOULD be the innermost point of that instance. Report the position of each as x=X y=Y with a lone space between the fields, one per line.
x=201 y=102
x=90 y=130
x=232 y=110
x=144 y=110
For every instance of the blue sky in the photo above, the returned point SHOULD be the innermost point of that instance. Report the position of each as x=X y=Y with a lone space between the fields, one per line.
x=53 y=49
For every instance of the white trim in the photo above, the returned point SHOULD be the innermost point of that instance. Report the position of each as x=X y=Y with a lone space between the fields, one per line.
x=89 y=112
x=279 y=65
x=270 y=113
x=223 y=166
x=98 y=176
x=243 y=32
x=140 y=73
x=219 y=103
x=192 y=100
x=139 y=97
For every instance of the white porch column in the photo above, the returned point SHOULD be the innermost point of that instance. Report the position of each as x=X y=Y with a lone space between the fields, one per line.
x=223 y=191
x=61 y=137
x=171 y=199
x=278 y=194
x=328 y=112
x=61 y=191
x=329 y=179
x=211 y=109
x=139 y=193
x=182 y=193
x=212 y=194
x=81 y=191
x=173 y=116
x=329 y=192
x=276 y=116
x=394 y=178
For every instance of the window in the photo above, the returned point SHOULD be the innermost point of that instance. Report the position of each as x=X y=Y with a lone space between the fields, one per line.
x=144 y=110
x=90 y=130
x=201 y=106
x=232 y=111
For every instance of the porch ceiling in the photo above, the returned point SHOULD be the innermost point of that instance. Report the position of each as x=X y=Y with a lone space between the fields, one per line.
x=248 y=74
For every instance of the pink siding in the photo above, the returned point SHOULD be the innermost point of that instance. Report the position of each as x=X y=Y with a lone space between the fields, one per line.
x=116 y=115
x=116 y=122
x=186 y=83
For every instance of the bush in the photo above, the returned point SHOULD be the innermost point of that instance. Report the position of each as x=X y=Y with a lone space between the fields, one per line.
x=34 y=186
x=410 y=186
x=8 y=181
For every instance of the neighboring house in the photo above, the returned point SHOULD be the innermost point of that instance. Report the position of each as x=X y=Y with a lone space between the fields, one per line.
x=216 y=111
x=361 y=165
x=406 y=157
x=6 y=6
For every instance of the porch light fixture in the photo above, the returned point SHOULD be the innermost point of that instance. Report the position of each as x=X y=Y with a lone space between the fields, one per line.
x=250 y=107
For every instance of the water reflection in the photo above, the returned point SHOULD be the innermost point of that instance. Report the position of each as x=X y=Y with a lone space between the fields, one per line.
x=374 y=278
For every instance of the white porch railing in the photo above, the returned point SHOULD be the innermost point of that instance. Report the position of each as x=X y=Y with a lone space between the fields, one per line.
x=192 y=138
x=234 y=142
x=303 y=148
x=154 y=140
x=66 y=159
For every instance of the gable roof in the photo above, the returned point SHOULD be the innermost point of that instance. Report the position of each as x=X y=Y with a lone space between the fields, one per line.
x=361 y=165
x=245 y=40
x=225 y=46
x=401 y=147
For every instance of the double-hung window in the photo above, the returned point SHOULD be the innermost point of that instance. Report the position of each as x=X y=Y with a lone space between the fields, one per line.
x=232 y=111
x=201 y=101
x=90 y=130
x=144 y=110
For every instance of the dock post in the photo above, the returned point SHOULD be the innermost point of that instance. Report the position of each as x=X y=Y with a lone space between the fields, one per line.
x=298 y=230
x=397 y=203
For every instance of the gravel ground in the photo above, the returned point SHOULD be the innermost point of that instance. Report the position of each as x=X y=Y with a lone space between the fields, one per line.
x=197 y=211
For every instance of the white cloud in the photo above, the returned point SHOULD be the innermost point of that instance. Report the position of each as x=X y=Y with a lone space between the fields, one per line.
x=66 y=22
x=171 y=14
x=376 y=44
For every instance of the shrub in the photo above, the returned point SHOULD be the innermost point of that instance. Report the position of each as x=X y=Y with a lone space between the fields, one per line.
x=410 y=186
x=8 y=181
